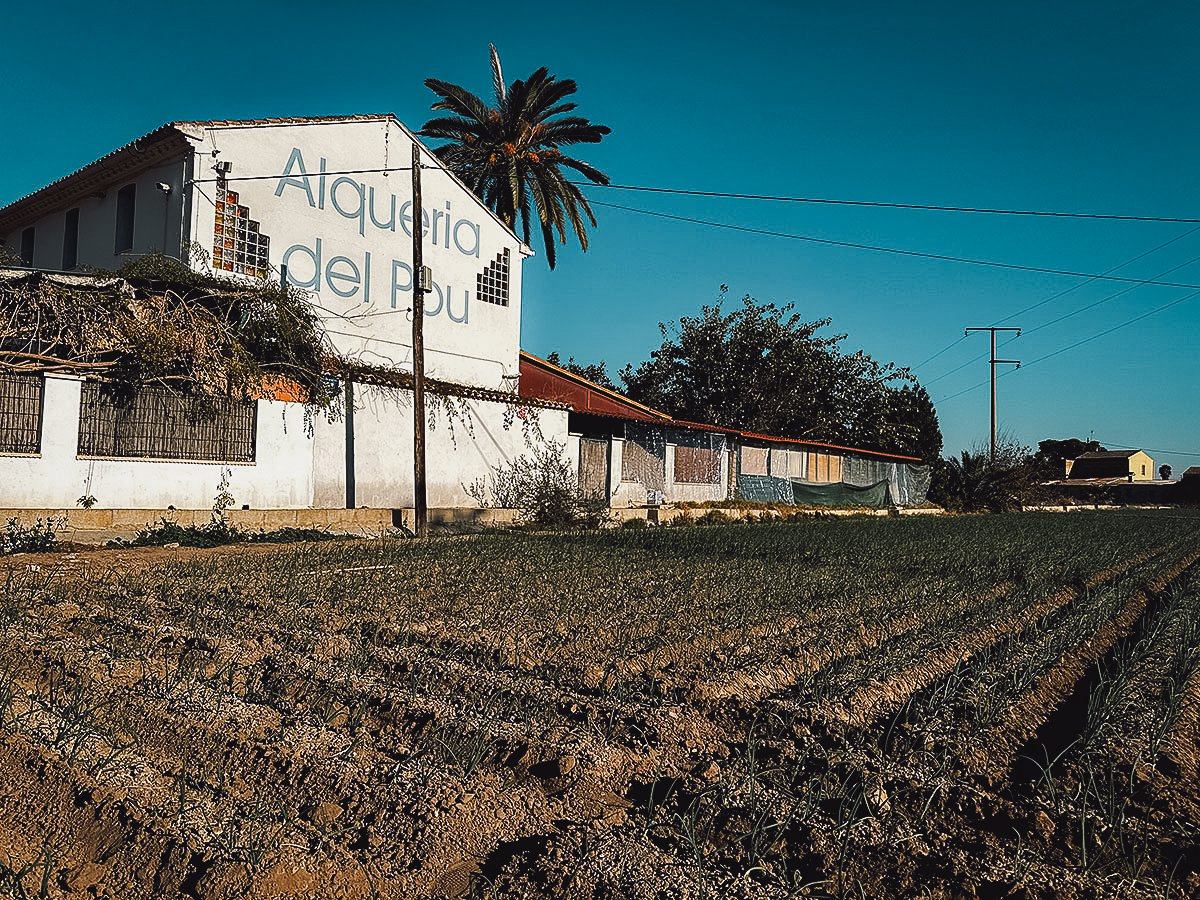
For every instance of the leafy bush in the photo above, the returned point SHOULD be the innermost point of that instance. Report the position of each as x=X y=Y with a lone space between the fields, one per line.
x=41 y=537
x=544 y=487
x=218 y=533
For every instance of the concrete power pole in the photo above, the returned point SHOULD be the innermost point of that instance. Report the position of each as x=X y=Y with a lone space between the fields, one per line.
x=993 y=362
x=420 y=277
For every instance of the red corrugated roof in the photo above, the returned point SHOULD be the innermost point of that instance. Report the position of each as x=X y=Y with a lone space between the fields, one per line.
x=544 y=380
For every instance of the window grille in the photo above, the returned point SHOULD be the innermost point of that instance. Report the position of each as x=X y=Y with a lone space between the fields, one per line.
x=162 y=425
x=697 y=465
x=21 y=413
x=593 y=467
x=644 y=455
x=779 y=462
x=797 y=464
x=491 y=285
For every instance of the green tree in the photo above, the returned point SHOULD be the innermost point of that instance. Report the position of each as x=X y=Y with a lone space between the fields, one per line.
x=973 y=481
x=1050 y=459
x=510 y=154
x=762 y=367
x=594 y=372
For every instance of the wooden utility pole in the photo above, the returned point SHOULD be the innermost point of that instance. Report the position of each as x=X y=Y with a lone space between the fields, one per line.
x=993 y=362
x=420 y=510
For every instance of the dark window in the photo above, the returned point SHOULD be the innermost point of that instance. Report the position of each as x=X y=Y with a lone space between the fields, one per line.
x=160 y=424
x=27 y=246
x=20 y=413
x=126 y=199
x=71 y=240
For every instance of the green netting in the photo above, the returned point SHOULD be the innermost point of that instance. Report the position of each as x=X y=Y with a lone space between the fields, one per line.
x=874 y=496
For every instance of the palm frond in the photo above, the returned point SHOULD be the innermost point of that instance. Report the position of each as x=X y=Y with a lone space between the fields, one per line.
x=497 y=75
x=508 y=155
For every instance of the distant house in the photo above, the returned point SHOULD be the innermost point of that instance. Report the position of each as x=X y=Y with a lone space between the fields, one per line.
x=1127 y=465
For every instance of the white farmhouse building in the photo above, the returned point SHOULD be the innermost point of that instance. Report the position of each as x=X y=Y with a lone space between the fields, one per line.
x=327 y=200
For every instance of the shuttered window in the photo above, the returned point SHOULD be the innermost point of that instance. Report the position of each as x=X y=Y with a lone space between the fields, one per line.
x=697 y=465
x=754 y=460
x=824 y=468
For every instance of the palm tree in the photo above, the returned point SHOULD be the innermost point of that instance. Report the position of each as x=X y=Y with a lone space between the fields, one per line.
x=509 y=155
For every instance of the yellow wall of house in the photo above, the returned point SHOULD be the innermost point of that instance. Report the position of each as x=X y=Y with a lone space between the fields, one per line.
x=1141 y=466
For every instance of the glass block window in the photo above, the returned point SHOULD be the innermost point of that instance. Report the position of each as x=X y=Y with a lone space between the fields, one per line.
x=491 y=284
x=238 y=244
x=20 y=413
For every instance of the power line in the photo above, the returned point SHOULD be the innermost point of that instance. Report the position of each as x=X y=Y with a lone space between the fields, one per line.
x=1081 y=342
x=1055 y=214
x=1073 y=312
x=1103 y=300
x=1052 y=297
x=779 y=198
x=1149 y=449
x=383 y=171
x=949 y=346
x=920 y=254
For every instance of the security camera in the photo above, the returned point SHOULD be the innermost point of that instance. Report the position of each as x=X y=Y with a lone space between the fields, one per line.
x=164 y=187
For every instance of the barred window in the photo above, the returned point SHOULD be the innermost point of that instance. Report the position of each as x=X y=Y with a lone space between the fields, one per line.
x=697 y=465
x=163 y=425
x=21 y=413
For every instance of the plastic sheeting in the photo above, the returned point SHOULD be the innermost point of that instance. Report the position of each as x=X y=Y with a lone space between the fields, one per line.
x=863 y=482
x=698 y=455
x=772 y=474
x=644 y=456
x=908 y=484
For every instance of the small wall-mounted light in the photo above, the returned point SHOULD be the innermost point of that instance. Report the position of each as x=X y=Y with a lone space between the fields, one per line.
x=164 y=187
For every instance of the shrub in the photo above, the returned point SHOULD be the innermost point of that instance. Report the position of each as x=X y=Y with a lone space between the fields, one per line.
x=41 y=537
x=544 y=487
x=217 y=533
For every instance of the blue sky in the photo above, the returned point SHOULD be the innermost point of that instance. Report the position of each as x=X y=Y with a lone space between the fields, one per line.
x=1062 y=106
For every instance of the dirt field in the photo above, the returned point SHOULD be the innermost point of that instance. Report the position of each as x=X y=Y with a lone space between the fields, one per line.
x=1001 y=706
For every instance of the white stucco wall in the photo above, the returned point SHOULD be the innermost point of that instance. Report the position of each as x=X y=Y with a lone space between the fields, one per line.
x=458 y=451
x=280 y=478
x=318 y=191
x=156 y=222
x=346 y=236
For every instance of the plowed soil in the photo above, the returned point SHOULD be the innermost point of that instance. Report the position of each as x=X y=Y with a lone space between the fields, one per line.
x=1001 y=706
